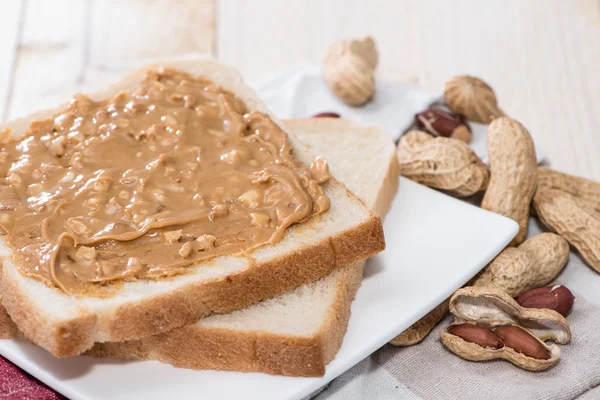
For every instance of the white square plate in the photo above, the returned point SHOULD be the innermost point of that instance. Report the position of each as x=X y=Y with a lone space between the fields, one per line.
x=435 y=244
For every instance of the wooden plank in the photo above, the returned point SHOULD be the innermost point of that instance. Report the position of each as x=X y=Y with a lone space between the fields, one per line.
x=50 y=56
x=127 y=34
x=70 y=46
x=12 y=17
x=541 y=59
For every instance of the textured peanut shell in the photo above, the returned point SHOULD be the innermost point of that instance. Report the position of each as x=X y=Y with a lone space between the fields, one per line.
x=442 y=163
x=474 y=352
x=365 y=49
x=350 y=78
x=513 y=168
x=473 y=98
x=492 y=307
x=349 y=67
x=420 y=329
x=573 y=219
x=585 y=190
x=534 y=263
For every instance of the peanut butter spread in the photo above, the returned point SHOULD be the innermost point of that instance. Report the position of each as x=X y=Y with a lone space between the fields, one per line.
x=143 y=184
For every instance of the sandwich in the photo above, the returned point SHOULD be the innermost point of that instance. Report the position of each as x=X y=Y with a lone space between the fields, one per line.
x=298 y=332
x=170 y=196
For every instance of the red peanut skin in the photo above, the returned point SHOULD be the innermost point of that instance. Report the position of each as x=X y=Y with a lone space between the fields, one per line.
x=555 y=297
x=523 y=342
x=439 y=122
x=479 y=335
x=326 y=115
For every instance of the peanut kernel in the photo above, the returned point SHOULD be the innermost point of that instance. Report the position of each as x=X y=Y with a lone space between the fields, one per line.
x=185 y=250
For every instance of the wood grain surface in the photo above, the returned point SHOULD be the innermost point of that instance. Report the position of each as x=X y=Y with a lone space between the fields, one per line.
x=542 y=57
x=52 y=49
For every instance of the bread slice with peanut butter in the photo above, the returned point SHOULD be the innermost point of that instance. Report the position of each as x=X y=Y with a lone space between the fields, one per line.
x=299 y=332
x=93 y=279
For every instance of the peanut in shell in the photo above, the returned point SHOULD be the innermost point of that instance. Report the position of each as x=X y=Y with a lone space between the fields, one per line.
x=473 y=352
x=587 y=191
x=573 y=219
x=493 y=308
x=536 y=262
x=349 y=69
x=442 y=163
x=513 y=168
x=473 y=98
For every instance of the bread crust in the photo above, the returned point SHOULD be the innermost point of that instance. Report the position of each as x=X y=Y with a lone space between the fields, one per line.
x=224 y=349
x=206 y=347
x=8 y=329
x=188 y=303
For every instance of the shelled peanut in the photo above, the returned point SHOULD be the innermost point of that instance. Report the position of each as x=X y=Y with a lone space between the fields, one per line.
x=513 y=167
x=441 y=163
x=327 y=114
x=489 y=324
x=480 y=335
x=554 y=297
x=513 y=337
x=440 y=122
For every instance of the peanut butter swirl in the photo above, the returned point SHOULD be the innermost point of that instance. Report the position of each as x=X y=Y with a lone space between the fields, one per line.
x=143 y=184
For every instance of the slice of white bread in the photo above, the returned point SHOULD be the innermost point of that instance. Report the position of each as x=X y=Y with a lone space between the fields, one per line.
x=68 y=325
x=299 y=332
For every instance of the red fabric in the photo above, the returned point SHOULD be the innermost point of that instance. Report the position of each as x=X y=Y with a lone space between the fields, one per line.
x=16 y=384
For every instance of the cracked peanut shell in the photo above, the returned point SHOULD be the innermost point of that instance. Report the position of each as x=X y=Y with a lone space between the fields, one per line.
x=491 y=307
